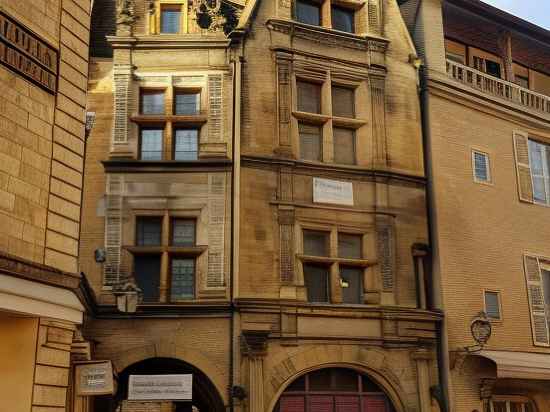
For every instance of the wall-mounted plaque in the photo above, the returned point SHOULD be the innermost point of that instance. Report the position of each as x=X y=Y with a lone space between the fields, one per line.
x=94 y=378
x=332 y=191
x=160 y=387
x=26 y=54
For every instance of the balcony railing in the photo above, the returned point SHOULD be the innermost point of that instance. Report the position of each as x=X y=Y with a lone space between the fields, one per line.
x=498 y=87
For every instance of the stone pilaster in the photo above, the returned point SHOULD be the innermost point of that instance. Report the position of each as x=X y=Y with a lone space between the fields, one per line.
x=254 y=347
x=422 y=357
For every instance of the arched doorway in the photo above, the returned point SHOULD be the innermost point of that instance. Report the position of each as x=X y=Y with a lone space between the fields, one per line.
x=334 y=390
x=205 y=396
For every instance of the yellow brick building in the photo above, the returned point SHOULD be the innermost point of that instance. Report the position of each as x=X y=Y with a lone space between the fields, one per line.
x=255 y=209
x=487 y=132
x=43 y=72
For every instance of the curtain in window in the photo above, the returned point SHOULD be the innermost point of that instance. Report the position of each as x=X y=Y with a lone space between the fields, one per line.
x=310 y=142
x=316 y=281
x=170 y=19
x=151 y=144
x=186 y=144
x=344 y=146
x=343 y=102
x=309 y=97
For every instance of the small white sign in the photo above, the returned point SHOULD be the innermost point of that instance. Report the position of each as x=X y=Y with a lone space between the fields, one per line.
x=160 y=387
x=332 y=191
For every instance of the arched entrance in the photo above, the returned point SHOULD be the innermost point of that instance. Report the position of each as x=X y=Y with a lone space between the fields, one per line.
x=205 y=396
x=334 y=390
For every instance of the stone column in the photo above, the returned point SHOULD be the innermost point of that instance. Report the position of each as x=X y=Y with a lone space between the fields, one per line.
x=254 y=346
x=422 y=358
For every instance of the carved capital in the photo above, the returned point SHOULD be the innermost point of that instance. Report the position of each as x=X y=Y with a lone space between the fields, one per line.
x=254 y=343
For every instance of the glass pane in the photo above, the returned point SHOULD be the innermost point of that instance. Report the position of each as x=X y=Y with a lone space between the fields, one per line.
x=148 y=231
x=492 y=68
x=299 y=385
x=546 y=286
x=187 y=103
x=186 y=144
x=521 y=81
x=151 y=144
x=344 y=146
x=344 y=380
x=170 y=19
x=343 y=102
x=342 y=19
x=539 y=188
x=481 y=166
x=316 y=281
x=309 y=97
x=183 y=232
x=369 y=385
x=353 y=279
x=152 y=102
x=349 y=246
x=147 y=276
x=310 y=142
x=316 y=243
x=491 y=305
x=320 y=380
x=308 y=12
x=183 y=279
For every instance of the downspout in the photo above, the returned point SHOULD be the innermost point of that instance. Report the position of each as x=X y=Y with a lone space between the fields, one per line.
x=441 y=393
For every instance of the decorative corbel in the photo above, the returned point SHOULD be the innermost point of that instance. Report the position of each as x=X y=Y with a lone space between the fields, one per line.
x=254 y=343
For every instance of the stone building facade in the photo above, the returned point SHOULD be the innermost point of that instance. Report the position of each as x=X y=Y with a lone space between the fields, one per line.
x=255 y=182
x=487 y=116
x=43 y=72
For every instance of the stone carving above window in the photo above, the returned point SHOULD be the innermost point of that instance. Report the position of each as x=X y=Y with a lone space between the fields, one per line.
x=216 y=15
x=126 y=12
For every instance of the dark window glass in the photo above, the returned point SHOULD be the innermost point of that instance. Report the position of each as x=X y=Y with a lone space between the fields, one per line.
x=343 y=19
x=344 y=380
x=183 y=279
x=299 y=385
x=492 y=68
x=309 y=97
x=152 y=102
x=316 y=281
x=147 y=275
x=369 y=385
x=320 y=380
x=352 y=284
x=349 y=246
x=186 y=103
x=186 y=144
x=499 y=407
x=308 y=12
x=316 y=243
x=151 y=144
x=310 y=142
x=343 y=101
x=183 y=232
x=521 y=81
x=148 y=231
x=344 y=146
x=170 y=19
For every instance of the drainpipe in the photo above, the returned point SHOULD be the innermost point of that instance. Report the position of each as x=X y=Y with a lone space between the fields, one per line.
x=442 y=394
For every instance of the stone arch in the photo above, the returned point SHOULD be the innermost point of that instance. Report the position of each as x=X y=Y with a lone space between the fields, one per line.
x=370 y=361
x=165 y=348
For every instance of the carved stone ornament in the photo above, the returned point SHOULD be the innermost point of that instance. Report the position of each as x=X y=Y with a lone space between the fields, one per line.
x=126 y=12
x=216 y=15
x=254 y=343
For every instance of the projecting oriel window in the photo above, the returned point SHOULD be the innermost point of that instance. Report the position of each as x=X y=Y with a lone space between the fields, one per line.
x=481 y=167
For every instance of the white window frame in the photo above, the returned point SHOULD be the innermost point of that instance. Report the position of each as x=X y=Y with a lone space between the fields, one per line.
x=487 y=158
x=509 y=399
x=545 y=170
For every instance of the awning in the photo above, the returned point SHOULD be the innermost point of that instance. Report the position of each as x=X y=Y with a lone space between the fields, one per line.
x=519 y=365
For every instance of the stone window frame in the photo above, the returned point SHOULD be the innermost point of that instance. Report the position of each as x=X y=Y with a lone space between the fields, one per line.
x=168 y=120
x=168 y=251
x=154 y=19
x=326 y=13
x=325 y=119
x=488 y=164
x=333 y=261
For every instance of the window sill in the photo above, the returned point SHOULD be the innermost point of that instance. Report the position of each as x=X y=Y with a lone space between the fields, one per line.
x=174 y=250
x=155 y=119
x=348 y=122
x=315 y=118
x=331 y=260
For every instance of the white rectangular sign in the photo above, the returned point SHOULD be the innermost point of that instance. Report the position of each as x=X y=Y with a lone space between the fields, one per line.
x=332 y=191
x=160 y=387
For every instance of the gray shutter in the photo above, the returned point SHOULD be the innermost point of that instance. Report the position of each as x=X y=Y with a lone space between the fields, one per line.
x=523 y=169
x=215 y=107
x=216 y=230
x=113 y=230
x=539 y=321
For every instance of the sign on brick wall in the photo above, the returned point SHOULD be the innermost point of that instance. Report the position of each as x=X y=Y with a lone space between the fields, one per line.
x=26 y=54
x=160 y=387
x=94 y=378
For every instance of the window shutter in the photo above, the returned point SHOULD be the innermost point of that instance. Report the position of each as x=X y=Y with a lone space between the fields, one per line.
x=375 y=403
x=320 y=403
x=215 y=107
x=347 y=404
x=113 y=267
x=539 y=321
x=523 y=169
x=293 y=404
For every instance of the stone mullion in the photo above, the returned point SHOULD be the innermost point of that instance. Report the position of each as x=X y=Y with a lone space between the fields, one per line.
x=377 y=90
x=164 y=287
x=168 y=141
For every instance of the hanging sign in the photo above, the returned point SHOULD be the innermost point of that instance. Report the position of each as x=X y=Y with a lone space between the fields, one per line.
x=94 y=378
x=332 y=191
x=160 y=387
